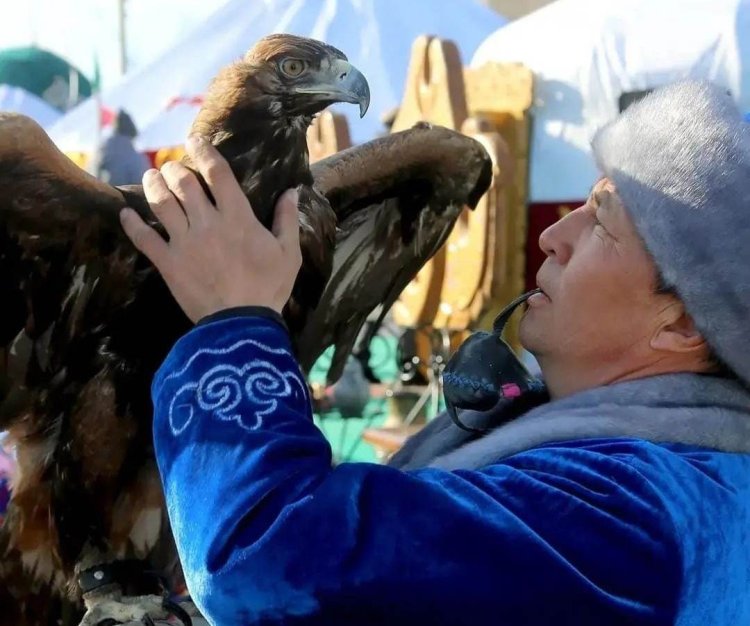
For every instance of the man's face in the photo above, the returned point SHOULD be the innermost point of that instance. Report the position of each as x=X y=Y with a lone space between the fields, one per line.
x=600 y=311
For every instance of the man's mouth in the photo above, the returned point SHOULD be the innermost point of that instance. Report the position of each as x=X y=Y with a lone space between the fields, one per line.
x=539 y=298
x=541 y=288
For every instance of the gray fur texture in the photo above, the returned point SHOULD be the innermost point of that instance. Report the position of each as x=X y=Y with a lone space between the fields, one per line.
x=680 y=159
x=690 y=409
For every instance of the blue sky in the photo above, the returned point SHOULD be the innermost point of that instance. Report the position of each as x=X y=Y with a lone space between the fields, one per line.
x=81 y=29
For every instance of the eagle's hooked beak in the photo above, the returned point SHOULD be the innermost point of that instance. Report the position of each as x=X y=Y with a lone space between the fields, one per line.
x=340 y=82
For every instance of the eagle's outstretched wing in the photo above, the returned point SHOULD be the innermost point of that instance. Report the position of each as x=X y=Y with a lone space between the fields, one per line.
x=87 y=321
x=396 y=200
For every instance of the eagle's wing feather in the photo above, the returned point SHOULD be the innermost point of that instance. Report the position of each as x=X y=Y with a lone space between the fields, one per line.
x=90 y=319
x=396 y=200
x=53 y=218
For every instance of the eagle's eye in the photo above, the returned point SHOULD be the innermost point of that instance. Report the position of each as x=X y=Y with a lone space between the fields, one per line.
x=293 y=67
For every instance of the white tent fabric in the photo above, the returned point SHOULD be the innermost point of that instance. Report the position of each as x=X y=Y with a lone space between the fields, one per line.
x=19 y=100
x=376 y=35
x=586 y=53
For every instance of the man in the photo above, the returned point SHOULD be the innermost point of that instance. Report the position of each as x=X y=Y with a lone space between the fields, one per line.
x=623 y=500
x=117 y=162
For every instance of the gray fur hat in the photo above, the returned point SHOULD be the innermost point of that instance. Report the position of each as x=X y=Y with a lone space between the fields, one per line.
x=680 y=160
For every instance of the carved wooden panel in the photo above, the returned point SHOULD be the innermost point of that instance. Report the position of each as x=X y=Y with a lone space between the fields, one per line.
x=501 y=95
x=327 y=135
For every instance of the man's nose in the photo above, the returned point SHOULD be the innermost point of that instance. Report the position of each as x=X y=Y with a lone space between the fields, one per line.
x=558 y=240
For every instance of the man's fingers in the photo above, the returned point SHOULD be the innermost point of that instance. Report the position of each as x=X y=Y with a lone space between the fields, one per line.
x=185 y=186
x=164 y=205
x=144 y=238
x=218 y=176
x=286 y=221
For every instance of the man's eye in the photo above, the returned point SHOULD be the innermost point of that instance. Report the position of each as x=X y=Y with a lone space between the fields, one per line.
x=292 y=67
x=598 y=225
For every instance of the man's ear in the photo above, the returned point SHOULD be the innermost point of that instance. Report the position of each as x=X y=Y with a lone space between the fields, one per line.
x=678 y=332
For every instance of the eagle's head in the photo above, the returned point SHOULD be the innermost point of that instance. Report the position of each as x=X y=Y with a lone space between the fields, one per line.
x=304 y=76
x=282 y=78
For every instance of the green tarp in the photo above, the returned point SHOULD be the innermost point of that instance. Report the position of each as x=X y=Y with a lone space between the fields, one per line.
x=45 y=75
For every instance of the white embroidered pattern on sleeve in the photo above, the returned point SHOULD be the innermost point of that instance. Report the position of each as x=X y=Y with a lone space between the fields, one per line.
x=222 y=388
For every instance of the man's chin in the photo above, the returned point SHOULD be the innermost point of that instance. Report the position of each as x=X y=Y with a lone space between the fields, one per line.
x=530 y=331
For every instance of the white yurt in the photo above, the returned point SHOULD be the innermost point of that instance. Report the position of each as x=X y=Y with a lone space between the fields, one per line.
x=164 y=96
x=589 y=57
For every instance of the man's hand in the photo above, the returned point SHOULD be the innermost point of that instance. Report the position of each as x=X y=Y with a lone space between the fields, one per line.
x=217 y=257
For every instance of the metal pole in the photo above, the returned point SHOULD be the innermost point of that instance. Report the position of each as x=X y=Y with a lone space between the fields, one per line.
x=32 y=24
x=122 y=37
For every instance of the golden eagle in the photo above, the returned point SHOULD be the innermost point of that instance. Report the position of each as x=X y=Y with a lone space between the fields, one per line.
x=86 y=320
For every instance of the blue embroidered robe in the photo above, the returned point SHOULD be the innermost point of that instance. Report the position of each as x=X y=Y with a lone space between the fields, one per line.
x=592 y=531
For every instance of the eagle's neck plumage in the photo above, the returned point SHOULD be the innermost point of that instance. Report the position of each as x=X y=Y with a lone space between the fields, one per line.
x=266 y=150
